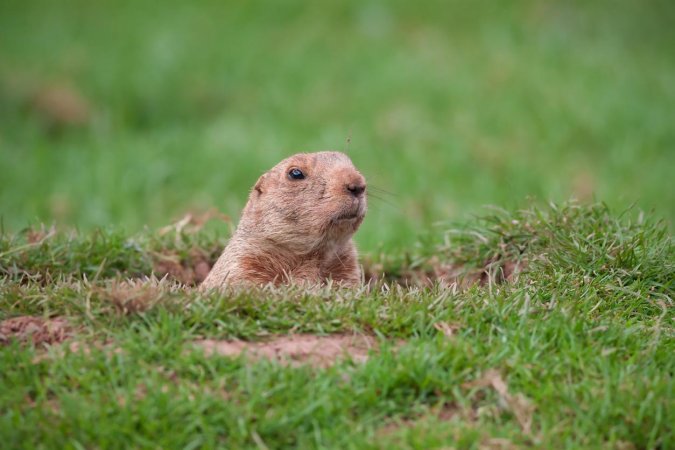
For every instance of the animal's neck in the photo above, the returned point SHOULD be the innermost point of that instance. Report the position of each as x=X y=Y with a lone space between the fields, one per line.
x=269 y=261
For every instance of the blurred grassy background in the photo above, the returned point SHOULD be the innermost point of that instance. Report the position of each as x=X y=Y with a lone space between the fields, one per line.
x=132 y=113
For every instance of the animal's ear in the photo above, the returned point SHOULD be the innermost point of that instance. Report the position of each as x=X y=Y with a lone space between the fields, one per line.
x=259 y=187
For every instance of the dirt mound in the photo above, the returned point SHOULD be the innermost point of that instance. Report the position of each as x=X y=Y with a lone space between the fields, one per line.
x=317 y=351
x=37 y=330
x=189 y=271
x=61 y=106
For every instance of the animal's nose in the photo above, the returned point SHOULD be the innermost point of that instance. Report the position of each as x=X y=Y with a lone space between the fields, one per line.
x=356 y=189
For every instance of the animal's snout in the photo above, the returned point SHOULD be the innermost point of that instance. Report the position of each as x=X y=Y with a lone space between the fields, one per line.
x=347 y=180
x=356 y=188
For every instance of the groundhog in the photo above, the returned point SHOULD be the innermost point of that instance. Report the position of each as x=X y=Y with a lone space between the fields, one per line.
x=297 y=225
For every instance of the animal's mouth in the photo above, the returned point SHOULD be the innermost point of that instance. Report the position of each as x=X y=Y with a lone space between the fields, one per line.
x=347 y=216
x=357 y=212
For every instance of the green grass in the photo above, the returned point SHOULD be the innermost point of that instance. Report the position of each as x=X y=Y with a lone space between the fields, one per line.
x=584 y=335
x=448 y=105
x=119 y=117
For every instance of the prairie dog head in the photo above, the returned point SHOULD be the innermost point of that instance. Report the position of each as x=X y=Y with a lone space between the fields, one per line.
x=306 y=202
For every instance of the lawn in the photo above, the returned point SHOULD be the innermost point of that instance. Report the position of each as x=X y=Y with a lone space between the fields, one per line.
x=537 y=322
x=575 y=351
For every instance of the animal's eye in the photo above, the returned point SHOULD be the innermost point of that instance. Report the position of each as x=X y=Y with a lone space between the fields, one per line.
x=296 y=174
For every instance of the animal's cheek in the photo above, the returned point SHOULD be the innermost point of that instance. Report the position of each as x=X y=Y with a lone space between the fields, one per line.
x=335 y=190
x=314 y=205
x=291 y=216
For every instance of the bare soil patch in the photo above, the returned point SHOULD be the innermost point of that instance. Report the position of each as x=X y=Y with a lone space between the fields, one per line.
x=298 y=349
x=37 y=330
x=62 y=106
x=189 y=271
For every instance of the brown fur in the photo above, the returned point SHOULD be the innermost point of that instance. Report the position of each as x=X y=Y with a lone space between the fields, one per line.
x=297 y=230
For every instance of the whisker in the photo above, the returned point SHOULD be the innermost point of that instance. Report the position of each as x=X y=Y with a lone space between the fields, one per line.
x=383 y=200
x=379 y=190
